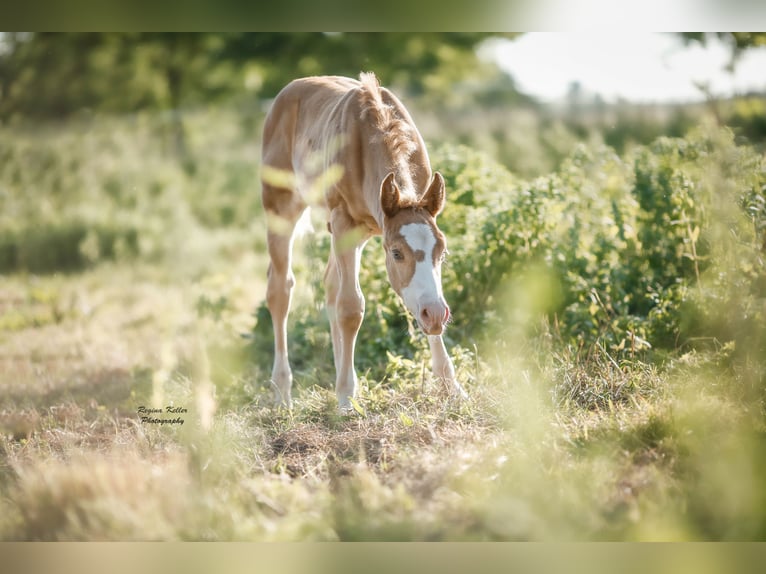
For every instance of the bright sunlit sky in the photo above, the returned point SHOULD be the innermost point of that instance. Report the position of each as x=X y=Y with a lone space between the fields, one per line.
x=636 y=66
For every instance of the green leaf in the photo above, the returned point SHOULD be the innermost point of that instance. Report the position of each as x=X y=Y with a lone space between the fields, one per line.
x=695 y=233
x=357 y=407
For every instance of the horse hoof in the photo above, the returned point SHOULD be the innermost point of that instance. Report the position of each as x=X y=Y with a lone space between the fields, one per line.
x=345 y=408
x=281 y=402
x=457 y=391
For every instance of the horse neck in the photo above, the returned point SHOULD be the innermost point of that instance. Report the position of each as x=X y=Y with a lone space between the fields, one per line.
x=407 y=173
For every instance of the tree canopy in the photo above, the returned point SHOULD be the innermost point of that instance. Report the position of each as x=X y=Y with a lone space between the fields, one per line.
x=53 y=75
x=739 y=42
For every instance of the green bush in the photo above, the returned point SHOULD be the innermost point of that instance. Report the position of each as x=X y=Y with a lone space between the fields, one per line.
x=621 y=251
x=640 y=256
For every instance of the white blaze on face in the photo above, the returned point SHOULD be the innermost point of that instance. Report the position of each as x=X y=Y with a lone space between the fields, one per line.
x=425 y=285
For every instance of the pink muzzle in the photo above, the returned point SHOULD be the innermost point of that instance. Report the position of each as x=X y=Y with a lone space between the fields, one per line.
x=433 y=317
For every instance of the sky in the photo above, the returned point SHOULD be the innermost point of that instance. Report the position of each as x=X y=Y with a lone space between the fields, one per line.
x=641 y=67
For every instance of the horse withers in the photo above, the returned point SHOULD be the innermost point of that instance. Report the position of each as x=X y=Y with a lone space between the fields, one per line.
x=382 y=185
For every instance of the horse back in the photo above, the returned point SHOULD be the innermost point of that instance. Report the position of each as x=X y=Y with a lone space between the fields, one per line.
x=301 y=111
x=319 y=121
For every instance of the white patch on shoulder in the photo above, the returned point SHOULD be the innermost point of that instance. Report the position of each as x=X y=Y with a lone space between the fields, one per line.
x=425 y=284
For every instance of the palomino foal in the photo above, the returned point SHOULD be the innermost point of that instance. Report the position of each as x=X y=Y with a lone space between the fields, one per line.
x=384 y=186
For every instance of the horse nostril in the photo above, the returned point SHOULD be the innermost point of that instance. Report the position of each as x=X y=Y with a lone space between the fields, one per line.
x=425 y=315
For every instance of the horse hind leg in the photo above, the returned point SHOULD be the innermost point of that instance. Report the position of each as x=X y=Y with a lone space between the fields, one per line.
x=283 y=209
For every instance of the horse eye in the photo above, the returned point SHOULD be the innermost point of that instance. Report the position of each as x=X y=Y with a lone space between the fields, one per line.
x=397 y=255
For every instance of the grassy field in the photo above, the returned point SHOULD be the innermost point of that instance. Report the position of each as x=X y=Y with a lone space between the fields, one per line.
x=151 y=299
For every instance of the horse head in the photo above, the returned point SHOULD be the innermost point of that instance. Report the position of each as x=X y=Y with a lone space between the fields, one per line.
x=415 y=249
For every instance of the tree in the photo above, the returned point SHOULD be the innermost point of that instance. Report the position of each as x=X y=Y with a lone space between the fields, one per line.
x=739 y=42
x=44 y=76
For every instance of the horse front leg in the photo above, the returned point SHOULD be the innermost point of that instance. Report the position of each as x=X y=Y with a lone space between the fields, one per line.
x=348 y=312
x=442 y=366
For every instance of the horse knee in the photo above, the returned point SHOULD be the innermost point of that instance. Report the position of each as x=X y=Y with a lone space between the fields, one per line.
x=349 y=313
x=351 y=321
x=279 y=288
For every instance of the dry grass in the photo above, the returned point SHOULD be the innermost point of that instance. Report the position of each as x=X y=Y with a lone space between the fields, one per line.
x=77 y=463
x=120 y=497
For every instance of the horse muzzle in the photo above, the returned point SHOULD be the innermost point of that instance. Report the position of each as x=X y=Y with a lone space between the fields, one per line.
x=433 y=317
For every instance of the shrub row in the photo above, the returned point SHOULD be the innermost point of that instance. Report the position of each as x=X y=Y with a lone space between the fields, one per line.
x=65 y=246
x=657 y=251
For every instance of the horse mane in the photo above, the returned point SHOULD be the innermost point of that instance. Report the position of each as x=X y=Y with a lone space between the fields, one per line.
x=393 y=131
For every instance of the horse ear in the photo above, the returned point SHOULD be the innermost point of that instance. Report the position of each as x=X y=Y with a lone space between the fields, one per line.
x=389 y=196
x=433 y=199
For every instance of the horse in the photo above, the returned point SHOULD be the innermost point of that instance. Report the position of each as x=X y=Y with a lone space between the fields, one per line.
x=383 y=185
